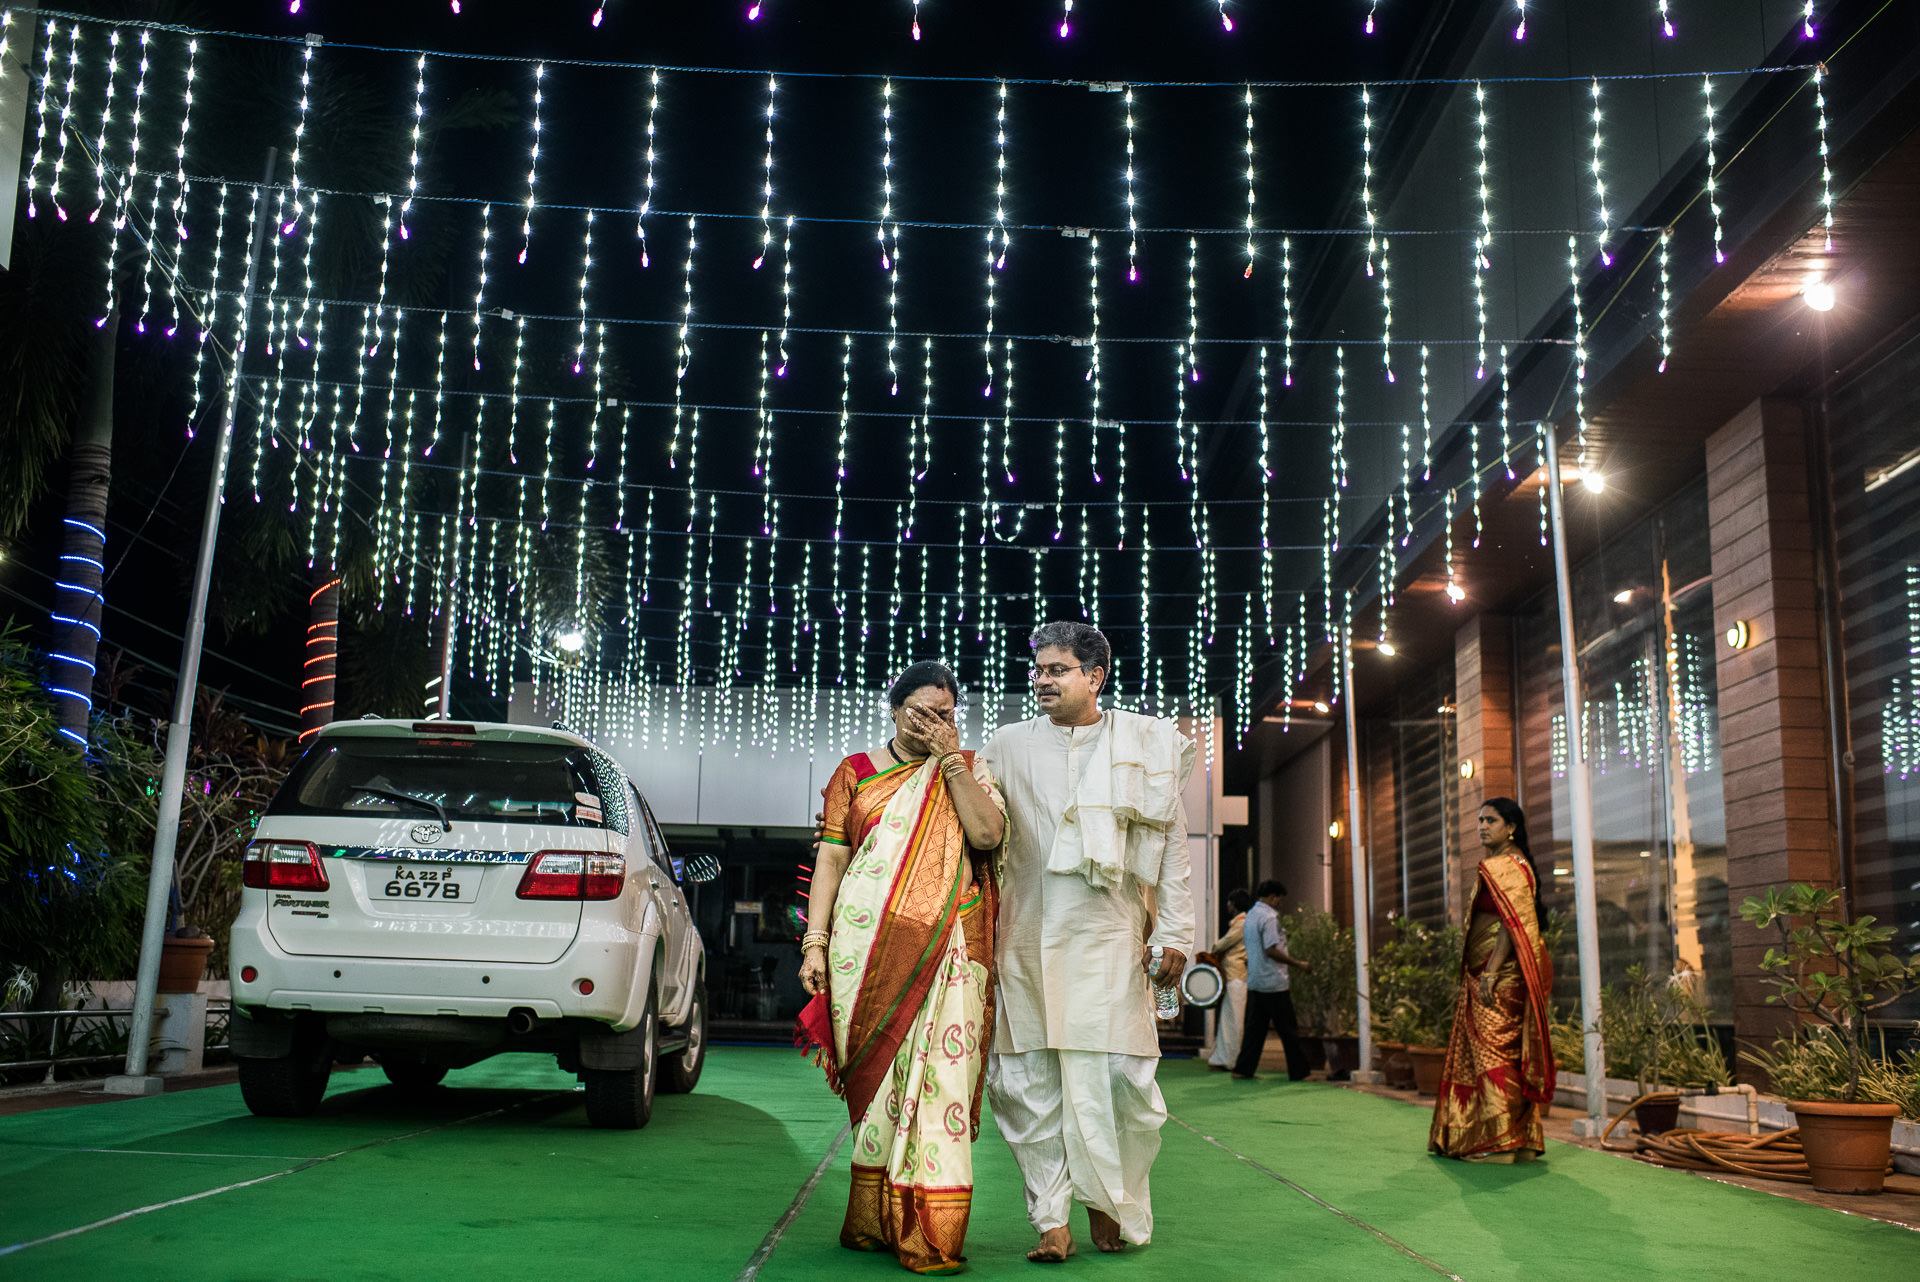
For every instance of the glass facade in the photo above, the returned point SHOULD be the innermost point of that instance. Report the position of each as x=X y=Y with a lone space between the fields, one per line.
x=1413 y=799
x=1875 y=469
x=1643 y=610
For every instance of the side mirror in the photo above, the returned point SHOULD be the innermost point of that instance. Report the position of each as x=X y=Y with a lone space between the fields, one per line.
x=700 y=868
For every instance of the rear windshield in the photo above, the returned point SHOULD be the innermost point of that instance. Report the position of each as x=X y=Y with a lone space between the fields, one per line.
x=484 y=780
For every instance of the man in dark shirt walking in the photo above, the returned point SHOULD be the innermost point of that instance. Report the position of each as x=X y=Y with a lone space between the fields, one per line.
x=1268 y=998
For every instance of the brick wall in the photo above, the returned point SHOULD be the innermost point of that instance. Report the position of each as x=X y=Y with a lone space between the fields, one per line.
x=1483 y=723
x=1772 y=717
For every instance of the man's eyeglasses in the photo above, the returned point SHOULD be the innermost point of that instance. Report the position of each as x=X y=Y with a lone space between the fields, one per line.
x=1054 y=671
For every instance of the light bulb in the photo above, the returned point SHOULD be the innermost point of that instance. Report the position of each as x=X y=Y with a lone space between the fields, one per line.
x=1819 y=296
x=1593 y=481
x=1386 y=648
x=572 y=641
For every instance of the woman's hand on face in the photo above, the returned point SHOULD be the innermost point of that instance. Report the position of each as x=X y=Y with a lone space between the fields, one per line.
x=813 y=971
x=935 y=734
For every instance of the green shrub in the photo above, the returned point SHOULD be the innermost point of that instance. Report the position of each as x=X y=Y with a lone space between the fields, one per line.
x=1325 y=998
x=1415 y=980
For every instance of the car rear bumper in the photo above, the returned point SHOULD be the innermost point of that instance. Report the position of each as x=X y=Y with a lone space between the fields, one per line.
x=617 y=963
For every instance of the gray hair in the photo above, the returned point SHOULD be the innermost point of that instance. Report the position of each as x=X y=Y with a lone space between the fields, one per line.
x=1088 y=643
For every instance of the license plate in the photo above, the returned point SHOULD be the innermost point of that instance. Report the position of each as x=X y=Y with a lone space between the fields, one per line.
x=427 y=883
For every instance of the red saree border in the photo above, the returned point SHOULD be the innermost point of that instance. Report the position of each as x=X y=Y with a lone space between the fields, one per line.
x=1509 y=883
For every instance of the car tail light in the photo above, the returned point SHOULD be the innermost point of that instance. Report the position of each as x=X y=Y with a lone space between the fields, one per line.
x=282 y=865
x=573 y=874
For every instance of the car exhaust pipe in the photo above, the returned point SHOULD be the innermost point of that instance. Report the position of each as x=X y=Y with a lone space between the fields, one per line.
x=521 y=1021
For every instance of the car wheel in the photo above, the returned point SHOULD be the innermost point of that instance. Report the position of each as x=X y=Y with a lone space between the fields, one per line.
x=412 y=1074
x=681 y=1073
x=285 y=1086
x=621 y=1099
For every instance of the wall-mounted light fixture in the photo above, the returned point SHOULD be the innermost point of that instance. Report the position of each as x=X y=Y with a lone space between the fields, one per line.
x=1385 y=647
x=1335 y=828
x=1466 y=767
x=1740 y=635
x=1320 y=705
x=1623 y=596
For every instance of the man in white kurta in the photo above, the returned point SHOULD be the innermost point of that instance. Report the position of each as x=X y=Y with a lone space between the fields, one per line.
x=1071 y=1076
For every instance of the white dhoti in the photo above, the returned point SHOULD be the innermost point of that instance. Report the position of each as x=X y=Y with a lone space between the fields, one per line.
x=1084 y=1126
x=1229 y=1018
x=1071 y=1076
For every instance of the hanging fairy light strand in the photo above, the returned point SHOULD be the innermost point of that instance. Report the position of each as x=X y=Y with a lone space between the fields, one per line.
x=40 y=136
x=646 y=190
x=683 y=355
x=1600 y=182
x=1286 y=303
x=1579 y=350
x=66 y=118
x=1483 y=238
x=1826 y=157
x=128 y=191
x=480 y=288
x=1250 y=196
x=889 y=259
x=1713 y=176
x=179 y=206
x=586 y=271
x=1133 y=208
x=533 y=162
x=413 y=157
x=1266 y=506
x=100 y=157
x=1093 y=368
x=997 y=230
x=766 y=183
x=1666 y=299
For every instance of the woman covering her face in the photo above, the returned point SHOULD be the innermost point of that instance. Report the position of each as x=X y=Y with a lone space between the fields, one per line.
x=899 y=957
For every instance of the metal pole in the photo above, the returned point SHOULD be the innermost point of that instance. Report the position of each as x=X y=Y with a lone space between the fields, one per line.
x=136 y=1080
x=1361 y=965
x=1586 y=916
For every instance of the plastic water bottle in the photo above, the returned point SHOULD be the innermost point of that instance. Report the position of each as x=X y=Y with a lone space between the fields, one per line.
x=1166 y=997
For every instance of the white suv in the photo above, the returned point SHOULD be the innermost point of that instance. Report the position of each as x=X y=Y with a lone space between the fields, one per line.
x=432 y=893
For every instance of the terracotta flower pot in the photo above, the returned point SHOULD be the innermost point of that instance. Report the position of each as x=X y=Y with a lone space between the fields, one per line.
x=1658 y=1113
x=1427 y=1063
x=1394 y=1063
x=1343 y=1054
x=1848 y=1146
x=183 y=962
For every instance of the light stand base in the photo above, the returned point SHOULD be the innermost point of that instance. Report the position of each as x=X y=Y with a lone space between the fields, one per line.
x=1367 y=1077
x=121 y=1084
x=1588 y=1128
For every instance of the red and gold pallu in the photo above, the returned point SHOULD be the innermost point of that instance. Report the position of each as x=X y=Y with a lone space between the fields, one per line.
x=1499 y=1068
x=904 y=1027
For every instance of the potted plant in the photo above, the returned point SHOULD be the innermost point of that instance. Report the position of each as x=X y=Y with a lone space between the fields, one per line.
x=1416 y=977
x=1326 y=997
x=1832 y=973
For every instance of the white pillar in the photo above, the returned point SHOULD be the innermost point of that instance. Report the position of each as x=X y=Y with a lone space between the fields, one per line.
x=1361 y=965
x=1580 y=789
x=136 y=1080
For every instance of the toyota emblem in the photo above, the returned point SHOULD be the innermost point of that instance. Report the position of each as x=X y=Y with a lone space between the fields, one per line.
x=425 y=834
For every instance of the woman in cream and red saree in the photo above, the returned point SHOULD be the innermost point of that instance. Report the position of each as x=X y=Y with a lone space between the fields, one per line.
x=1499 y=1069
x=899 y=957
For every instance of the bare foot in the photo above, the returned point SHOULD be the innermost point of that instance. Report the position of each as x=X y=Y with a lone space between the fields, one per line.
x=1105 y=1231
x=1055 y=1246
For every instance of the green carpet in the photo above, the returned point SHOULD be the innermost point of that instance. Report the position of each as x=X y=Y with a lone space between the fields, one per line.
x=419 y=1193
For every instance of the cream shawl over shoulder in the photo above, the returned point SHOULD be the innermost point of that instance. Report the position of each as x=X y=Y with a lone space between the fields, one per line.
x=1117 y=820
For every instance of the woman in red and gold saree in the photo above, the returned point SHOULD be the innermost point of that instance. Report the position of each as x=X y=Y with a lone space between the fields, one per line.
x=899 y=955
x=1499 y=1069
